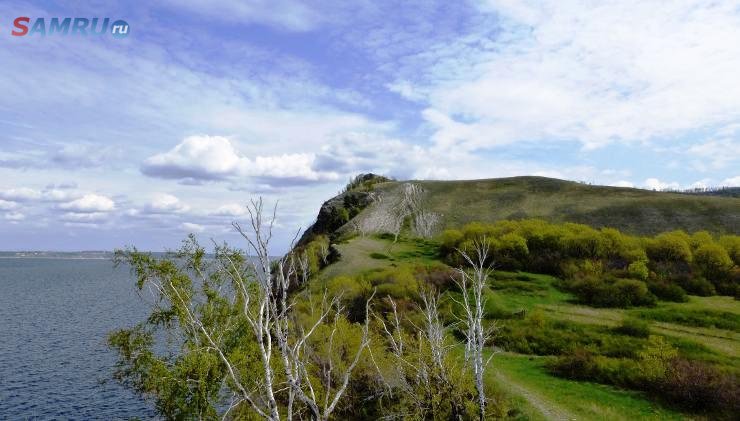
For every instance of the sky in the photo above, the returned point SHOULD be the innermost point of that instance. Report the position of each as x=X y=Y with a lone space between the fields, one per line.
x=107 y=142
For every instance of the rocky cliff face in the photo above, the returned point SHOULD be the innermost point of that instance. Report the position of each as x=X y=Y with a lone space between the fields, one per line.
x=337 y=211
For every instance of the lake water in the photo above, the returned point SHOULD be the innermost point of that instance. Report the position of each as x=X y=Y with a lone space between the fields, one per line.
x=54 y=318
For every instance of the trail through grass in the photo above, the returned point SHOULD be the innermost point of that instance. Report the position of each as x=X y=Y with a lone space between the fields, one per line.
x=560 y=399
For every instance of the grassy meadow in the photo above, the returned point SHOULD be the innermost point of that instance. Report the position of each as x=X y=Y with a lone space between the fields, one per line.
x=539 y=322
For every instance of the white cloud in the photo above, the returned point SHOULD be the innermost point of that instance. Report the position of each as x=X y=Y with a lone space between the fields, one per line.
x=594 y=72
x=22 y=194
x=215 y=158
x=714 y=154
x=14 y=216
x=231 y=209
x=166 y=203
x=7 y=205
x=84 y=217
x=90 y=203
x=656 y=184
x=190 y=227
x=623 y=183
x=198 y=157
x=732 y=181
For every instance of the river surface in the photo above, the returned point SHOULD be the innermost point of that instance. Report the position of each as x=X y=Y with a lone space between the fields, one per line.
x=54 y=317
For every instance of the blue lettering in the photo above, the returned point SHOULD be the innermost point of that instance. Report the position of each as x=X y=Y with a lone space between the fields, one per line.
x=80 y=26
x=39 y=26
x=103 y=28
x=55 y=26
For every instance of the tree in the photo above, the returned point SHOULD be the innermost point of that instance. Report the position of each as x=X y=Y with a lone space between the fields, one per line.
x=713 y=261
x=428 y=380
x=235 y=316
x=472 y=283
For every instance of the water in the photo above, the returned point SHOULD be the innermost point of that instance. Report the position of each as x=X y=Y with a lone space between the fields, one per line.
x=54 y=318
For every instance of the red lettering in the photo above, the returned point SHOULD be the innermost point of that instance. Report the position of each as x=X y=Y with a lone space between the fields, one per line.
x=21 y=28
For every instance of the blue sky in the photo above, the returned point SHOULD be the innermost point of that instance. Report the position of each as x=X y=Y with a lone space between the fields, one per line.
x=108 y=142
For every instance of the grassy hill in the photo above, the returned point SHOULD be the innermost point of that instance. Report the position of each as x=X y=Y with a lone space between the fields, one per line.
x=631 y=210
x=540 y=323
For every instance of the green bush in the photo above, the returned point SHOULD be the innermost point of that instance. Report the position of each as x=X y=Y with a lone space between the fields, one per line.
x=713 y=262
x=638 y=270
x=634 y=327
x=671 y=261
x=621 y=293
x=697 y=286
x=668 y=292
x=670 y=246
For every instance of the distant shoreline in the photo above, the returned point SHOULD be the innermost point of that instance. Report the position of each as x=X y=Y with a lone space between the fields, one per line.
x=58 y=257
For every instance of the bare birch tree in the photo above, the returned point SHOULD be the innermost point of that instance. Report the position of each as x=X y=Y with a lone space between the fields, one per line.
x=472 y=283
x=426 y=371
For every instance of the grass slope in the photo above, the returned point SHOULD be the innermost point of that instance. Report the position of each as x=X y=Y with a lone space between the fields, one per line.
x=631 y=210
x=705 y=328
x=560 y=399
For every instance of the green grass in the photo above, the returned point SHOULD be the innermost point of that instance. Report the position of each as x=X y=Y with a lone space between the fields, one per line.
x=692 y=327
x=631 y=210
x=571 y=399
x=690 y=317
x=362 y=254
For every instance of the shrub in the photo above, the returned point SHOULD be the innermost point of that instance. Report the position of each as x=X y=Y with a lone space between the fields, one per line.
x=670 y=246
x=668 y=292
x=634 y=327
x=731 y=244
x=713 y=261
x=620 y=293
x=700 y=387
x=697 y=286
x=580 y=365
x=638 y=270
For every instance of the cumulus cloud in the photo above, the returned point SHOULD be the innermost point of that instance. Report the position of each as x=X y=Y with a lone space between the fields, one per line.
x=203 y=158
x=166 y=203
x=656 y=184
x=22 y=194
x=7 y=205
x=623 y=183
x=90 y=203
x=191 y=227
x=231 y=209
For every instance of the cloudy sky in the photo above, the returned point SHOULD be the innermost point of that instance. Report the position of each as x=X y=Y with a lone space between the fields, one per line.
x=108 y=142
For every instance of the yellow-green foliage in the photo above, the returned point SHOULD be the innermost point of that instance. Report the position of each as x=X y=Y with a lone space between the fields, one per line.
x=395 y=282
x=638 y=270
x=713 y=260
x=670 y=246
x=667 y=262
x=313 y=251
x=731 y=243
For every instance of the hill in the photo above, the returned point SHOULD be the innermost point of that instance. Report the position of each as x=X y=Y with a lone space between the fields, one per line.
x=561 y=353
x=452 y=204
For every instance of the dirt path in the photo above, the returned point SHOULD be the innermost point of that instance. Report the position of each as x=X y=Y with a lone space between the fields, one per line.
x=546 y=408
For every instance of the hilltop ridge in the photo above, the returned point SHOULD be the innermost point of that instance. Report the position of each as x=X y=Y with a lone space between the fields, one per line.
x=366 y=204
